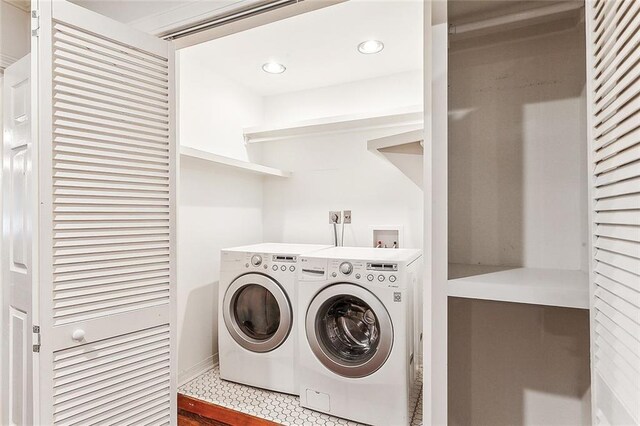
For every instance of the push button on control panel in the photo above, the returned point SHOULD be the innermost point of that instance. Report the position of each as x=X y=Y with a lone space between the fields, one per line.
x=358 y=276
x=370 y=277
x=381 y=278
x=283 y=268
x=392 y=278
x=274 y=267
x=292 y=268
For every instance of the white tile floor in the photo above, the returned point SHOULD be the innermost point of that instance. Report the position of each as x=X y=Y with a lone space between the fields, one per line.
x=274 y=406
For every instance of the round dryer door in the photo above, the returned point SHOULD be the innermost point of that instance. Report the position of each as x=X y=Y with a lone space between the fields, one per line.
x=257 y=312
x=349 y=330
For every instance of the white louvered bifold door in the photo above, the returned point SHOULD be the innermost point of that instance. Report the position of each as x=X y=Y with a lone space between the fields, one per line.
x=614 y=92
x=106 y=151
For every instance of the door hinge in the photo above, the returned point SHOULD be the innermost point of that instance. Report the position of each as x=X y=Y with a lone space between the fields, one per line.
x=35 y=23
x=36 y=338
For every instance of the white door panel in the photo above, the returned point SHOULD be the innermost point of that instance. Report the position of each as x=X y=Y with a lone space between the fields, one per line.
x=613 y=55
x=106 y=221
x=16 y=262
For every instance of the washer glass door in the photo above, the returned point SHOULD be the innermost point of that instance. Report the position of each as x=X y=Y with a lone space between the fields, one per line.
x=257 y=312
x=349 y=330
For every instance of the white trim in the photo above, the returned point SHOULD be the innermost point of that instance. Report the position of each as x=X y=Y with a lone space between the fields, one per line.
x=254 y=21
x=185 y=376
x=435 y=212
x=232 y=162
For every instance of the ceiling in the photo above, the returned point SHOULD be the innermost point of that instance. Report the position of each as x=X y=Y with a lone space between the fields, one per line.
x=320 y=48
x=131 y=10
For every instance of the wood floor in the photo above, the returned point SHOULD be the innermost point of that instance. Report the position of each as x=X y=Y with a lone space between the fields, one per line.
x=193 y=412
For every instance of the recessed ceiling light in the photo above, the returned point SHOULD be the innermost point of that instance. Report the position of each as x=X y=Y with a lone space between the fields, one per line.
x=370 y=46
x=273 y=68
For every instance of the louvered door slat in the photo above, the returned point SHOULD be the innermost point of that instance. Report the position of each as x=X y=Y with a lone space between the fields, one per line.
x=620 y=232
x=620 y=18
x=613 y=28
x=111 y=389
x=619 y=347
x=605 y=29
x=618 y=217
x=89 y=40
x=107 y=257
x=629 y=294
x=627 y=278
x=627 y=371
x=604 y=323
x=627 y=248
x=624 y=202
x=629 y=186
x=627 y=141
x=115 y=109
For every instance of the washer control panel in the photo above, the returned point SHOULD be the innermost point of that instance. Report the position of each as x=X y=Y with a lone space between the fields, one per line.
x=366 y=273
x=271 y=262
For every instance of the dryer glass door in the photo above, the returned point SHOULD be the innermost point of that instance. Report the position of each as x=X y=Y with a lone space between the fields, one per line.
x=349 y=330
x=257 y=312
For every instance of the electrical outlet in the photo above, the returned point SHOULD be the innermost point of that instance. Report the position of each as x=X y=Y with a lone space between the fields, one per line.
x=347 y=216
x=335 y=217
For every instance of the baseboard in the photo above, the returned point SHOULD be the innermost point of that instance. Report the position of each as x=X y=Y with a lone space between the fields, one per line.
x=201 y=367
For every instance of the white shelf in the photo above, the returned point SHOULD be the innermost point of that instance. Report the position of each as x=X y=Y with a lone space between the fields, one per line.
x=550 y=287
x=232 y=162
x=338 y=124
x=403 y=150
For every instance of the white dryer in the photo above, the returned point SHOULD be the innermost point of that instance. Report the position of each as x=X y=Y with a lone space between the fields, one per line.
x=257 y=338
x=357 y=333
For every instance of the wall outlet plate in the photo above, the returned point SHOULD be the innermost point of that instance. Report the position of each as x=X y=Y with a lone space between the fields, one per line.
x=347 y=216
x=335 y=217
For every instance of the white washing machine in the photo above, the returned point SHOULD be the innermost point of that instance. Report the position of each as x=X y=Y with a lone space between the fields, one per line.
x=257 y=336
x=358 y=334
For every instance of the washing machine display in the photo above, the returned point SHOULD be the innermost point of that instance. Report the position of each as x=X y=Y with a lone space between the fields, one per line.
x=349 y=330
x=257 y=312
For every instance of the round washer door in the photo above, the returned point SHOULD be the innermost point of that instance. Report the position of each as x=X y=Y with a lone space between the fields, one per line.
x=257 y=312
x=349 y=330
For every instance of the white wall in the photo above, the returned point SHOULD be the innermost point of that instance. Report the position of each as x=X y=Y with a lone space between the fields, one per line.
x=517 y=149
x=214 y=109
x=366 y=96
x=515 y=364
x=218 y=208
x=337 y=172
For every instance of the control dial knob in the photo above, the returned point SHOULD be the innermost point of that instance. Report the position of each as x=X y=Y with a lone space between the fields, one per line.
x=256 y=260
x=346 y=268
